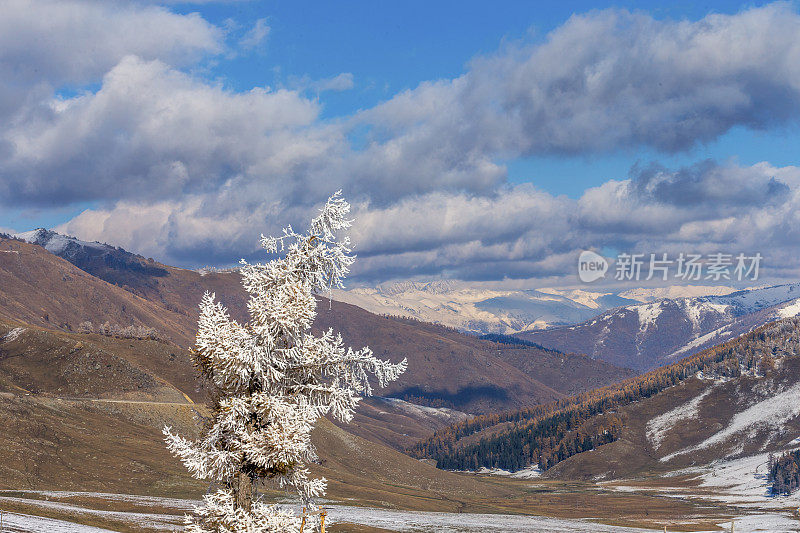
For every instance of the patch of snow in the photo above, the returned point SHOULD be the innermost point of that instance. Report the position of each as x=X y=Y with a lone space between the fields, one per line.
x=648 y=314
x=702 y=339
x=771 y=413
x=526 y=473
x=697 y=309
x=790 y=310
x=413 y=409
x=13 y=334
x=658 y=427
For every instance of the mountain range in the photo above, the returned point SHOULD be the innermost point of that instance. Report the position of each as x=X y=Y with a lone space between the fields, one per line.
x=73 y=282
x=94 y=361
x=648 y=335
x=480 y=310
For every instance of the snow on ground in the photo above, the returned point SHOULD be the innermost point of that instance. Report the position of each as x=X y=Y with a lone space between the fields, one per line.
x=754 y=300
x=151 y=521
x=13 y=334
x=658 y=427
x=648 y=314
x=727 y=475
x=675 y=291
x=774 y=523
x=526 y=473
x=702 y=339
x=773 y=412
x=443 y=413
x=793 y=309
x=403 y=521
x=172 y=503
x=427 y=522
x=23 y=523
x=583 y=297
x=741 y=482
x=745 y=478
x=56 y=243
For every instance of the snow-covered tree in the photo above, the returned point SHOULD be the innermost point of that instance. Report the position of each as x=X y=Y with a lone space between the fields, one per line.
x=274 y=379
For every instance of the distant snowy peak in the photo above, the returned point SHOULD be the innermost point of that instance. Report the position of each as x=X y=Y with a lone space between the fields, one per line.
x=487 y=310
x=432 y=287
x=750 y=301
x=672 y=292
x=646 y=335
x=57 y=243
x=731 y=305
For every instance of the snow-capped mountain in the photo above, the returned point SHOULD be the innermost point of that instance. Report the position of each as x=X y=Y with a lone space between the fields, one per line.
x=112 y=264
x=480 y=310
x=650 y=334
x=59 y=244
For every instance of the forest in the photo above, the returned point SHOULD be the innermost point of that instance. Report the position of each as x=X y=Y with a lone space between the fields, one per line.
x=544 y=435
x=784 y=473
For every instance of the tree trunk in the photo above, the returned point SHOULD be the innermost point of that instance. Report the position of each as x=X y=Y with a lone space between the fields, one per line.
x=243 y=492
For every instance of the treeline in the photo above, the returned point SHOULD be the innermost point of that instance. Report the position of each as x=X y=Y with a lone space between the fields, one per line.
x=784 y=473
x=126 y=332
x=548 y=434
x=515 y=341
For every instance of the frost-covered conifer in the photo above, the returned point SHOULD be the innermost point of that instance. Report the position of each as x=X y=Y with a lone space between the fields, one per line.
x=274 y=380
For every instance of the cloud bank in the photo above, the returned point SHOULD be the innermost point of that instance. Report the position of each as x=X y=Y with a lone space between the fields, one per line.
x=191 y=172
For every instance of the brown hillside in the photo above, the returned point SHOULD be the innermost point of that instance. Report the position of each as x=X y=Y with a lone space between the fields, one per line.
x=40 y=288
x=446 y=368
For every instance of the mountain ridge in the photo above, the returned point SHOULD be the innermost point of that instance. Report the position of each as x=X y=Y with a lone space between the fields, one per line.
x=446 y=368
x=648 y=335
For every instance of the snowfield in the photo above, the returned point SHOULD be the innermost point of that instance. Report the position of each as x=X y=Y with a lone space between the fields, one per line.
x=145 y=521
x=23 y=523
x=411 y=521
x=793 y=309
x=739 y=481
x=772 y=413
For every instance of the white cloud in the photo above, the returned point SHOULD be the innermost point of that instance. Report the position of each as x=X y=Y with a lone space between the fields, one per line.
x=340 y=82
x=613 y=79
x=256 y=35
x=154 y=132
x=51 y=43
x=191 y=172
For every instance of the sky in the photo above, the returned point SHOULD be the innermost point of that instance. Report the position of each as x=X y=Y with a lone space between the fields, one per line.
x=482 y=142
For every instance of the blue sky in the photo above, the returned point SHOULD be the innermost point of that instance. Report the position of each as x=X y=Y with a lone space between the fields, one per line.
x=390 y=47
x=184 y=130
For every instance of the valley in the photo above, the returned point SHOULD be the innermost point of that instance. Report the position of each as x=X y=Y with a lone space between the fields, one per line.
x=84 y=411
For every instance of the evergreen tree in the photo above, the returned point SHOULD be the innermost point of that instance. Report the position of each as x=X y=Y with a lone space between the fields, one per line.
x=273 y=380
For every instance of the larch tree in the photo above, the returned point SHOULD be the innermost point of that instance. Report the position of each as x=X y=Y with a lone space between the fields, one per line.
x=274 y=380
